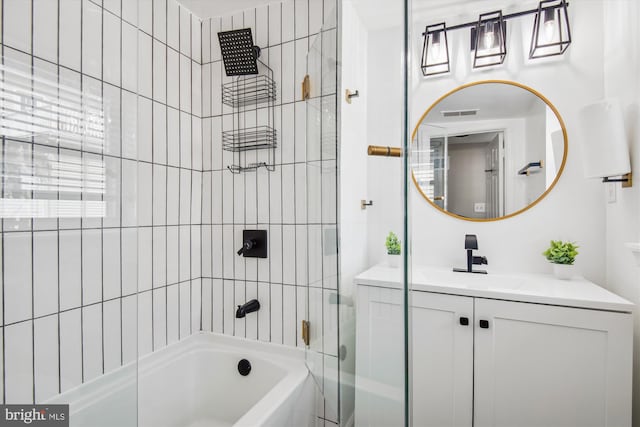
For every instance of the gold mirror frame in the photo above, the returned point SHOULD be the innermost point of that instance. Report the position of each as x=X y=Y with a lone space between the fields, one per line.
x=543 y=195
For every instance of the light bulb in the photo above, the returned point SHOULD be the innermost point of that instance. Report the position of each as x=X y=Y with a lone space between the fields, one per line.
x=435 y=47
x=549 y=31
x=435 y=51
x=489 y=36
x=549 y=25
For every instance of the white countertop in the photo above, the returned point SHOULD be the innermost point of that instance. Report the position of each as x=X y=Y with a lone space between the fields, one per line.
x=532 y=288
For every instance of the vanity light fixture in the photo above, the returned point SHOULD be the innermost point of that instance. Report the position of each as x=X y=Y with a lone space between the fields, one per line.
x=605 y=149
x=489 y=40
x=435 y=50
x=551 y=33
x=551 y=36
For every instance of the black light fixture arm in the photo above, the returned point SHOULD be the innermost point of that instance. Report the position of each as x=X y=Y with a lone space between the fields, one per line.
x=504 y=17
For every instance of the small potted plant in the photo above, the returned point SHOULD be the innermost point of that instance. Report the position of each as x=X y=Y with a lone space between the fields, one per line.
x=562 y=255
x=393 y=249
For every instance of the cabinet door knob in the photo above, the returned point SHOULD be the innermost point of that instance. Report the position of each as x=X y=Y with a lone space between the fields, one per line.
x=484 y=324
x=464 y=321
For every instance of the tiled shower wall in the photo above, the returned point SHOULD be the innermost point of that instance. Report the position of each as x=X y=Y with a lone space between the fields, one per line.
x=70 y=289
x=108 y=166
x=295 y=203
x=276 y=200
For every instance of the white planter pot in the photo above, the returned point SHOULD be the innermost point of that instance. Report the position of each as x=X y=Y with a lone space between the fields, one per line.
x=564 y=271
x=393 y=260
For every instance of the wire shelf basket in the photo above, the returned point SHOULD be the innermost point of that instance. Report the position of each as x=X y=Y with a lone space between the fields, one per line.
x=255 y=138
x=249 y=90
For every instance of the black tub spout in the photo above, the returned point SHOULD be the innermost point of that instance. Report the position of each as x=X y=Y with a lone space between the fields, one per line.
x=246 y=308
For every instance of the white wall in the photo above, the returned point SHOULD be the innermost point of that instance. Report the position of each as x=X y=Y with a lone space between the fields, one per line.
x=573 y=211
x=352 y=185
x=105 y=290
x=622 y=80
x=536 y=130
x=384 y=121
x=353 y=160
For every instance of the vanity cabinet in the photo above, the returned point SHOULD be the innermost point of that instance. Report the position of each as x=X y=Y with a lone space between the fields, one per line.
x=484 y=359
x=442 y=359
x=543 y=365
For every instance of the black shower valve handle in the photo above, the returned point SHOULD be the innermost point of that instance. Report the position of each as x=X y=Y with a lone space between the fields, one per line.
x=246 y=246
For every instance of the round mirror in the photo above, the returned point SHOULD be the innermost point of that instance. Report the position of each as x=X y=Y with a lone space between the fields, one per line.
x=488 y=150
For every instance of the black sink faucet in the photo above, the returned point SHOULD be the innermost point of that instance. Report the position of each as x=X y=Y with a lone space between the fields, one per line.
x=471 y=243
x=246 y=308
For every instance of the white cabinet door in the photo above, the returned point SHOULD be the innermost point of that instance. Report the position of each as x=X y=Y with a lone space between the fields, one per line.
x=442 y=360
x=546 y=366
x=379 y=357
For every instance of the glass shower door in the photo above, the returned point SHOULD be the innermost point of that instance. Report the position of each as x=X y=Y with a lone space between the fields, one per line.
x=321 y=331
x=357 y=332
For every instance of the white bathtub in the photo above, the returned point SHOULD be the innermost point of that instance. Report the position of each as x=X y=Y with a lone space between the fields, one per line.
x=195 y=383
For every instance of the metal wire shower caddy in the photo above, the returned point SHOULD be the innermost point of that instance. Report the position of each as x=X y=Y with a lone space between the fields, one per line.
x=252 y=97
x=249 y=90
x=255 y=138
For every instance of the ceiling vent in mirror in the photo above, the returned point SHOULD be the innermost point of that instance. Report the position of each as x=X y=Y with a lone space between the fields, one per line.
x=459 y=113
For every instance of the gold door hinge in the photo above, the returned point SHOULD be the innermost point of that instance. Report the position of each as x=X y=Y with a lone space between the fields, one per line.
x=305 y=332
x=306 y=88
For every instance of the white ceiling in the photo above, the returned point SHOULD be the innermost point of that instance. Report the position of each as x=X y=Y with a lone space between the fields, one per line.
x=474 y=138
x=209 y=8
x=380 y=14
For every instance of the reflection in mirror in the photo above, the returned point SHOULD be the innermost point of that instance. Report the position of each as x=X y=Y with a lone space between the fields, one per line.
x=488 y=150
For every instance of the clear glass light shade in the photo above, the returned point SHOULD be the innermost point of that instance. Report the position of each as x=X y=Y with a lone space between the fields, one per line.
x=489 y=40
x=551 y=32
x=435 y=50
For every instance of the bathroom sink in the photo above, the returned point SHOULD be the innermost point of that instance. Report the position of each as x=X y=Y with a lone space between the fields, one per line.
x=446 y=277
x=534 y=288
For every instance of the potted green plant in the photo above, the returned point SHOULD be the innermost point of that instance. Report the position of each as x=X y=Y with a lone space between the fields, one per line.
x=562 y=255
x=393 y=249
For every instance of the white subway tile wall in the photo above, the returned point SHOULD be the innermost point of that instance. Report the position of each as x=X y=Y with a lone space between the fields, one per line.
x=296 y=203
x=85 y=292
x=83 y=296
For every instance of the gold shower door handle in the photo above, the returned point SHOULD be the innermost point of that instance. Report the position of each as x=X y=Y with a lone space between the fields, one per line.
x=378 y=150
x=438 y=198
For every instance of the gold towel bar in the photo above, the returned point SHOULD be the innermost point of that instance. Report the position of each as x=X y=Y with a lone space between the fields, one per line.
x=376 y=150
